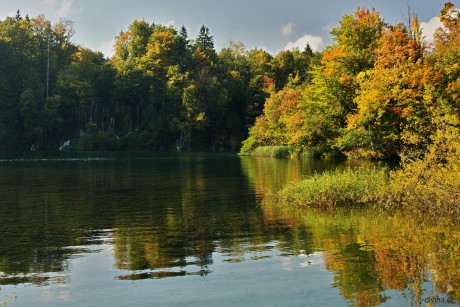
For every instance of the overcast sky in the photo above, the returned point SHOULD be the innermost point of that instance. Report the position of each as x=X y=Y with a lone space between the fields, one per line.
x=272 y=25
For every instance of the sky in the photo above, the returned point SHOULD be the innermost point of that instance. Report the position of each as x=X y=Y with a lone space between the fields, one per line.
x=268 y=24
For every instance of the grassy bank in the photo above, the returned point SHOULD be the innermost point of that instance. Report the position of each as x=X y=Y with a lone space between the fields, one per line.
x=351 y=187
x=429 y=186
x=433 y=191
x=282 y=152
x=273 y=151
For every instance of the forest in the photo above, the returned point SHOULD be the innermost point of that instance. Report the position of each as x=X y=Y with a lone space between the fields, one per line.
x=378 y=92
x=160 y=91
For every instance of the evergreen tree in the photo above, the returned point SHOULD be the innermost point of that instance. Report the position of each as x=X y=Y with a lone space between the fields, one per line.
x=205 y=42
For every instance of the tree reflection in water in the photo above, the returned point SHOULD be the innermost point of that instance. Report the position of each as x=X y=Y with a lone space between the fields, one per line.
x=171 y=217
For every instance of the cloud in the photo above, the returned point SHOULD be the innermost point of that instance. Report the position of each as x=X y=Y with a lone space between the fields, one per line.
x=171 y=23
x=287 y=29
x=49 y=2
x=10 y=14
x=430 y=27
x=107 y=48
x=316 y=42
x=267 y=50
x=65 y=9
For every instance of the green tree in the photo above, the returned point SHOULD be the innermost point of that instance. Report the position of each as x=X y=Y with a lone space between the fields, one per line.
x=36 y=50
x=259 y=61
x=84 y=95
x=205 y=42
x=329 y=99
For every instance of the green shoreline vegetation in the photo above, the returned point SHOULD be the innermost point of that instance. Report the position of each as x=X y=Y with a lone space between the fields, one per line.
x=428 y=187
x=333 y=189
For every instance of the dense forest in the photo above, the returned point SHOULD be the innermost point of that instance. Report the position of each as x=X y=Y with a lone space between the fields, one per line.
x=160 y=91
x=379 y=91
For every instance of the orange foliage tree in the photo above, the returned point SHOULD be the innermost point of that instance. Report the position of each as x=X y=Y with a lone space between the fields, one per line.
x=393 y=108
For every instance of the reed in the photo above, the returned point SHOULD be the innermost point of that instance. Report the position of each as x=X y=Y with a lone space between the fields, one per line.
x=332 y=189
x=273 y=151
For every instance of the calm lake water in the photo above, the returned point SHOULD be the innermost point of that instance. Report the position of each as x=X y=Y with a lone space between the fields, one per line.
x=109 y=229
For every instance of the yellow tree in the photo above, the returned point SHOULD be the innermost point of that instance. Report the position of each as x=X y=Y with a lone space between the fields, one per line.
x=393 y=110
x=331 y=94
x=446 y=55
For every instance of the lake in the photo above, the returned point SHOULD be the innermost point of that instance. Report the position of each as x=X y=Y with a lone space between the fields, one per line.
x=171 y=229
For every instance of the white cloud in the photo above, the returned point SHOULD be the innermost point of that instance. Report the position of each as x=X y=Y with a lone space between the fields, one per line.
x=430 y=27
x=171 y=23
x=107 y=48
x=267 y=50
x=316 y=42
x=65 y=9
x=49 y=2
x=10 y=14
x=287 y=29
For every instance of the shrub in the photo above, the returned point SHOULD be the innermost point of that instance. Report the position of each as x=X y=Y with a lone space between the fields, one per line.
x=430 y=186
x=248 y=146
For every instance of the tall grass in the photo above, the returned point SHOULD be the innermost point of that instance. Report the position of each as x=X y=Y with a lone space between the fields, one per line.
x=331 y=189
x=283 y=151
x=273 y=151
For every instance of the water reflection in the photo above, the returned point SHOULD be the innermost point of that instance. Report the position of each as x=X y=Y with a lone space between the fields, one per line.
x=371 y=254
x=174 y=217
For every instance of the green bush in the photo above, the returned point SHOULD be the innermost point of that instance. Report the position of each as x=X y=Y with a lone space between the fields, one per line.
x=331 y=189
x=248 y=146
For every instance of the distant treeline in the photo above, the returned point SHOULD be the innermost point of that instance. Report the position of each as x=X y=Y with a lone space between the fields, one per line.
x=160 y=91
x=379 y=91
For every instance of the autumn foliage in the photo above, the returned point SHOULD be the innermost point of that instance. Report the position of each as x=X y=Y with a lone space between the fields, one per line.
x=376 y=93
